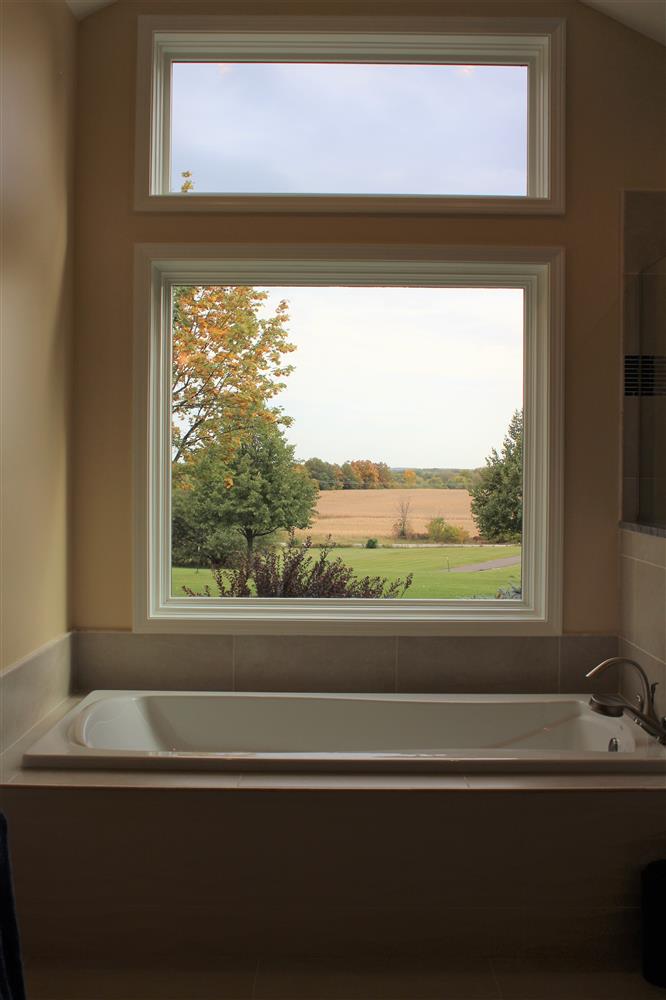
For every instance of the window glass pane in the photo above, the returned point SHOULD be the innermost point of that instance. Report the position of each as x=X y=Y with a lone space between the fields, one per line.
x=384 y=420
x=316 y=128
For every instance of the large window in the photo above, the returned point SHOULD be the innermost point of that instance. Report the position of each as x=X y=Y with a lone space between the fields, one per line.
x=466 y=116
x=372 y=442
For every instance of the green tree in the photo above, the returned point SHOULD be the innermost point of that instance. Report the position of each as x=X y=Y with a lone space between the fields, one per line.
x=328 y=476
x=255 y=492
x=197 y=537
x=351 y=480
x=497 y=501
x=385 y=476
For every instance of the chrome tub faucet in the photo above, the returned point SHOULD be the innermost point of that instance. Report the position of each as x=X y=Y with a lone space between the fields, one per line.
x=615 y=705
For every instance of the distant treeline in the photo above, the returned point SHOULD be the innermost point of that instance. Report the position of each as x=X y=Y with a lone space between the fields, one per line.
x=362 y=474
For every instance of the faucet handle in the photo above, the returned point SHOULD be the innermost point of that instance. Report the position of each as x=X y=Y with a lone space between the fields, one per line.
x=653 y=688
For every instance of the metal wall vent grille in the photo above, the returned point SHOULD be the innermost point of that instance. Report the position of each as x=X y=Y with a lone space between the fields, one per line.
x=645 y=375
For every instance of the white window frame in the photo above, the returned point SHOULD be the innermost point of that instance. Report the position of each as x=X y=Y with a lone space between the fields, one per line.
x=538 y=43
x=539 y=272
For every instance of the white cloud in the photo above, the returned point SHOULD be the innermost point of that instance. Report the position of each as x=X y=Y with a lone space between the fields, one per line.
x=409 y=376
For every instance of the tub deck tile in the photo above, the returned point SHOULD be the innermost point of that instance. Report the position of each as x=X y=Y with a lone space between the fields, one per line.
x=554 y=981
x=334 y=979
x=337 y=979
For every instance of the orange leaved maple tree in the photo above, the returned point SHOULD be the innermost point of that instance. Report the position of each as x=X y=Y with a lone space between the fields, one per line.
x=228 y=363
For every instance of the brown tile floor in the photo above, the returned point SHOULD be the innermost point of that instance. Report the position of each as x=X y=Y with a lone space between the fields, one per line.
x=338 y=979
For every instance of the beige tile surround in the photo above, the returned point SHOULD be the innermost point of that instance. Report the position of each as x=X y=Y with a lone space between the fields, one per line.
x=336 y=979
x=152 y=875
x=643 y=609
x=433 y=876
x=35 y=693
x=339 y=663
x=31 y=688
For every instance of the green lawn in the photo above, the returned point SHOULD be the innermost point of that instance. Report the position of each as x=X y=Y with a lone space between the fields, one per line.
x=430 y=566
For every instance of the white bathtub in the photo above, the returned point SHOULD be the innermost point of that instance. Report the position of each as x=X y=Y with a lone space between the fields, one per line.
x=342 y=732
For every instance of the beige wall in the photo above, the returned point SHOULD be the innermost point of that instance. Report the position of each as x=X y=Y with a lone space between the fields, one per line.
x=38 y=66
x=615 y=135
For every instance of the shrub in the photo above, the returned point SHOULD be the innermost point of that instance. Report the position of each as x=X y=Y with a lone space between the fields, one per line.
x=294 y=572
x=372 y=543
x=440 y=530
x=509 y=593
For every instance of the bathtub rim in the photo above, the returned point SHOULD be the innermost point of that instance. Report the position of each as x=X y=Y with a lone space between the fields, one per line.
x=647 y=760
x=35 y=780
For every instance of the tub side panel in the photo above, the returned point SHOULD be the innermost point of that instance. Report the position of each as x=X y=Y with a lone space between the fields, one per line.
x=141 y=873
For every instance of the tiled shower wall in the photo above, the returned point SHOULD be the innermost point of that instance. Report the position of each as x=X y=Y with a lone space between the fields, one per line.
x=643 y=609
x=643 y=538
x=652 y=430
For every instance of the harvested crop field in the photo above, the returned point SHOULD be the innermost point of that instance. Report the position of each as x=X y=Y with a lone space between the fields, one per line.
x=356 y=515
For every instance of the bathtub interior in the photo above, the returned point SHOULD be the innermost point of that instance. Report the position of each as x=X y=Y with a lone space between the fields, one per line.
x=340 y=731
x=250 y=723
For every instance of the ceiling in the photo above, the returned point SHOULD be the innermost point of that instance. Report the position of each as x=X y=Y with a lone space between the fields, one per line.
x=81 y=8
x=646 y=16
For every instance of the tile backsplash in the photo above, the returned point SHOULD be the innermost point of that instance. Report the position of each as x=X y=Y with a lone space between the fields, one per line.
x=34 y=686
x=448 y=664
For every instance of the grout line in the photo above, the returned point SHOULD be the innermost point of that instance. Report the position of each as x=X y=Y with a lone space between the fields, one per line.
x=75 y=686
x=491 y=963
x=40 y=720
x=630 y=642
x=255 y=978
x=643 y=562
x=36 y=653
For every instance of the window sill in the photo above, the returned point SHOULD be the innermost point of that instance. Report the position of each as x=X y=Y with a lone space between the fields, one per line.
x=361 y=204
x=280 y=617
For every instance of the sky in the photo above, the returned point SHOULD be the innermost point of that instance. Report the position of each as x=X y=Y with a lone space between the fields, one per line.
x=414 y=377
x=350 y=128
x=408 y=376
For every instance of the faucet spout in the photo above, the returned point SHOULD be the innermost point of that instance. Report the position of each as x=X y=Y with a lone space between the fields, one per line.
x=647 y=704
x=615 y=705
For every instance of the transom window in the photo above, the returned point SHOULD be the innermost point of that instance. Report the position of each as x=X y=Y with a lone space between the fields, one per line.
x=341 y=128
x=464 y=118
